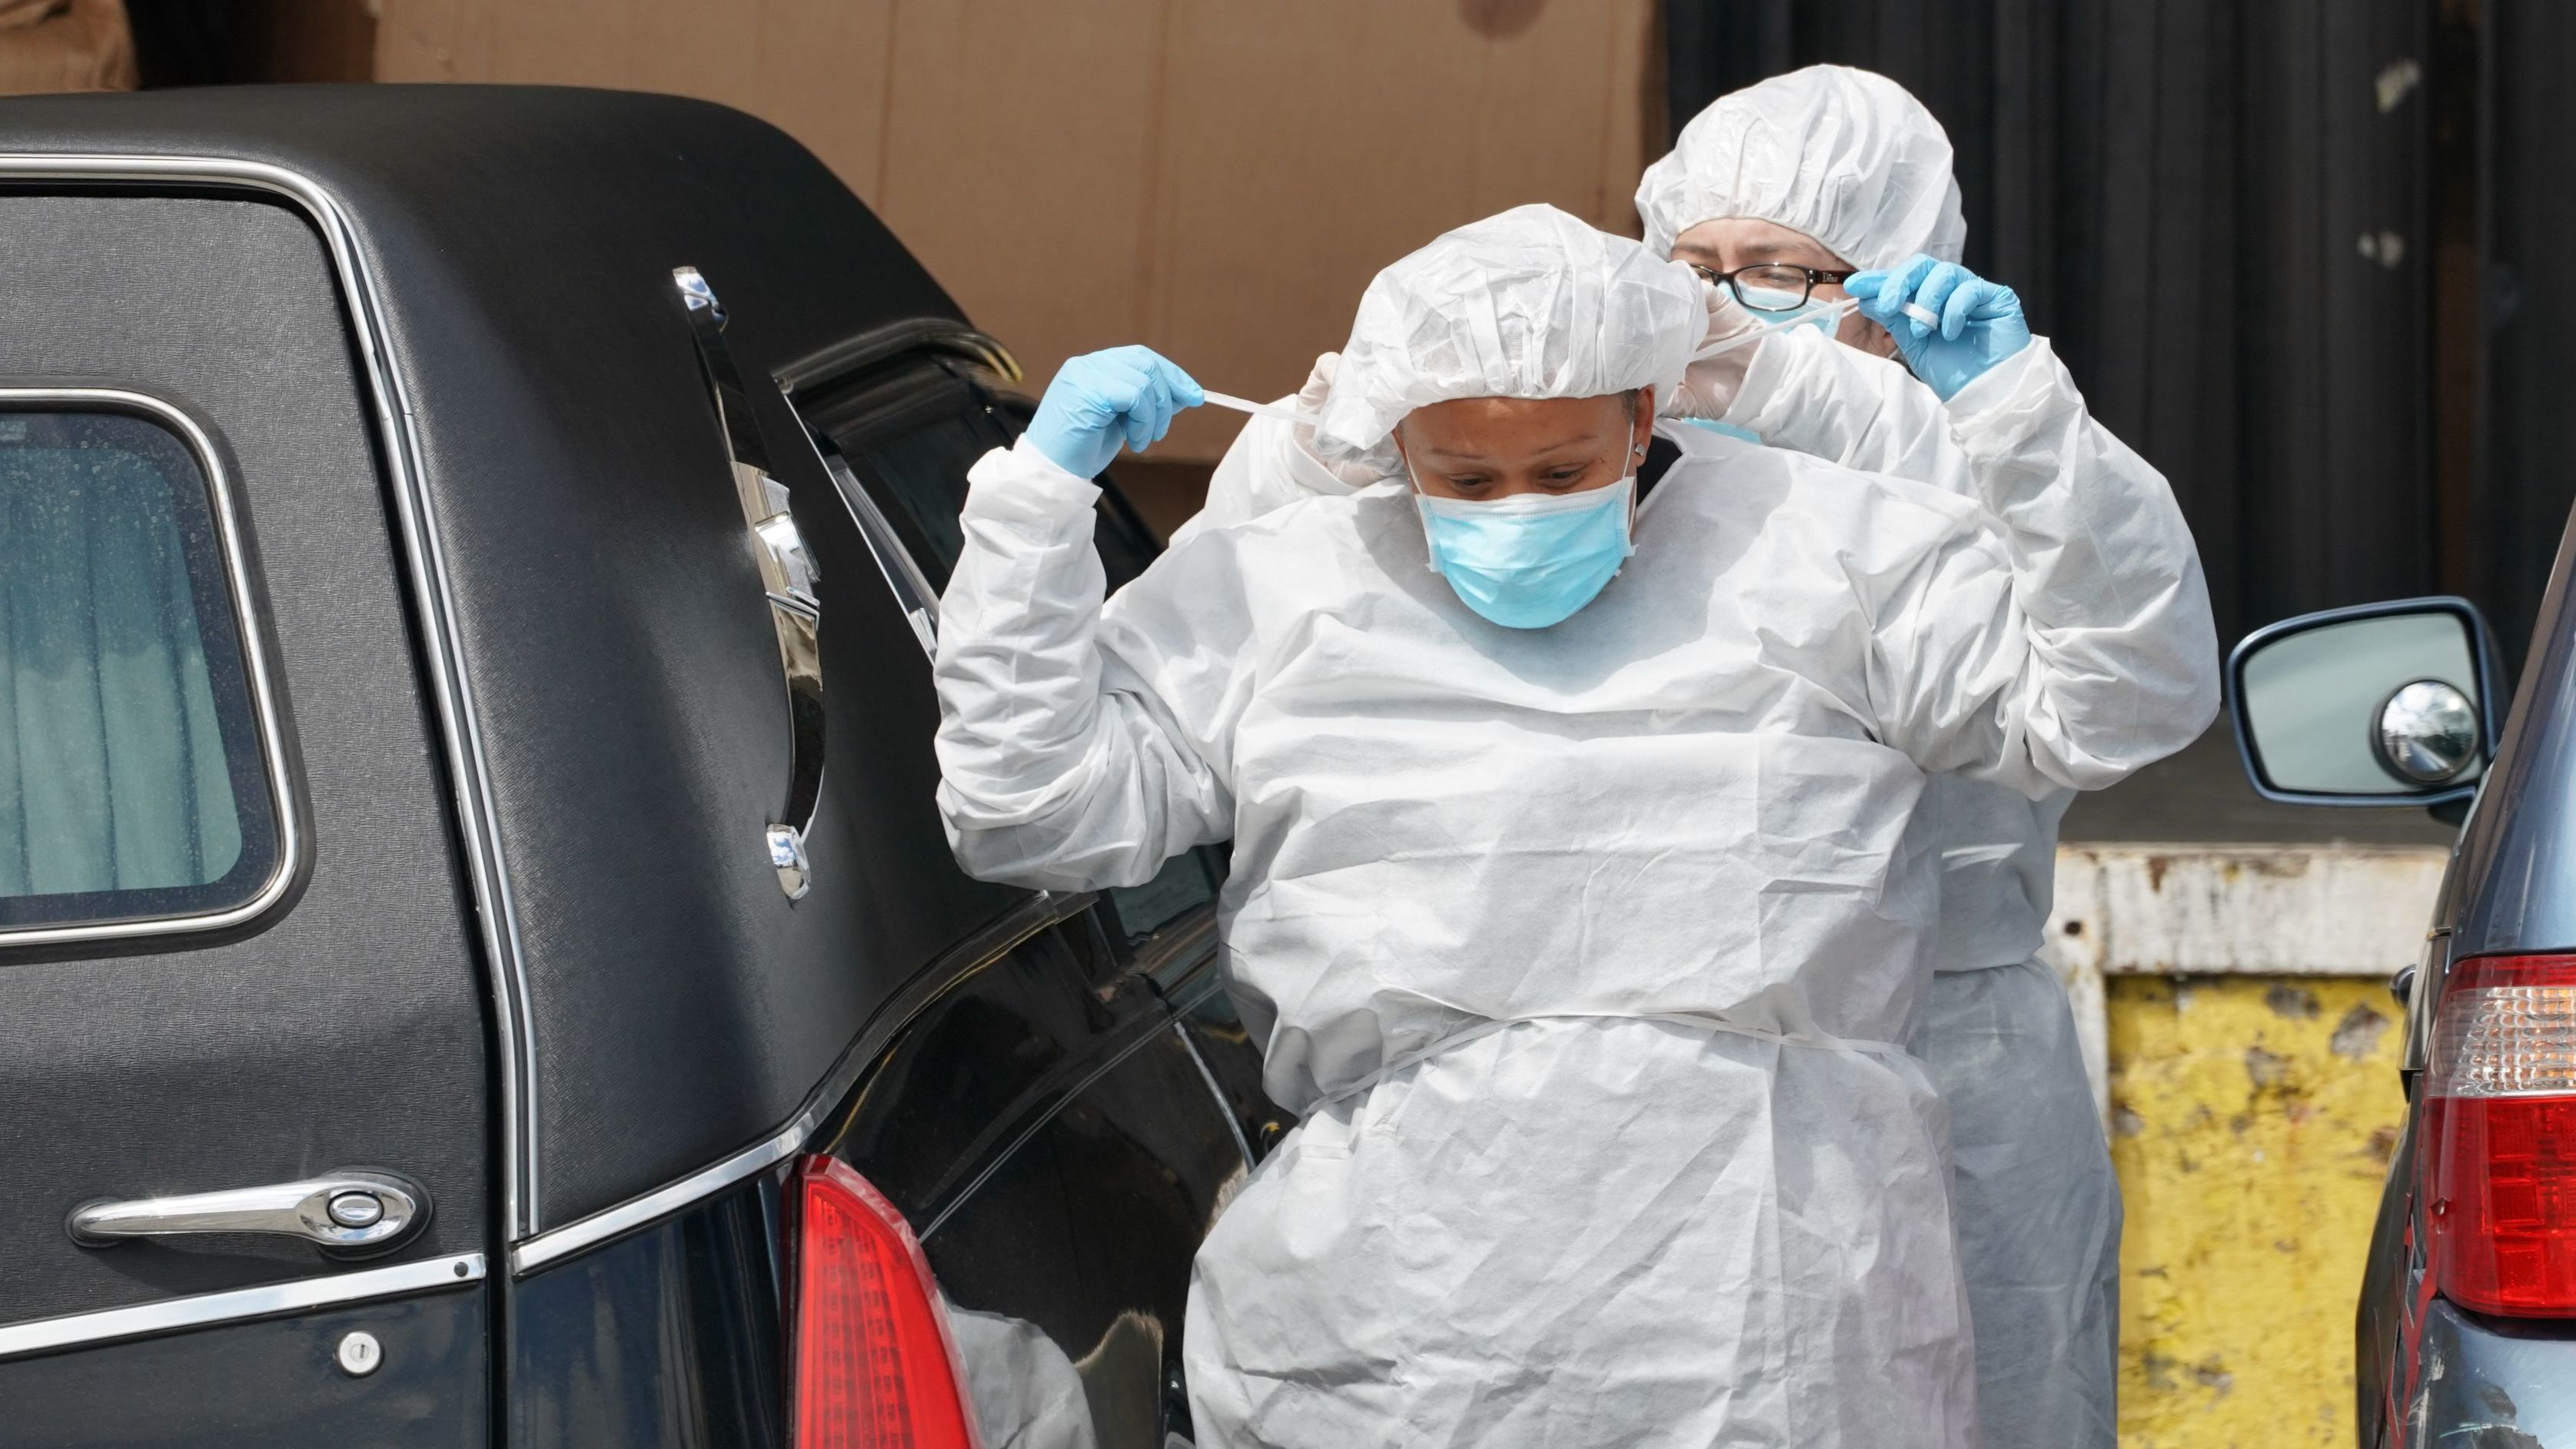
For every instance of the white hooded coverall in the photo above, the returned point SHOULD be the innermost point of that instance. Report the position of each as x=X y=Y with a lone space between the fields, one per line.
x=1851 y=159
x=1585 y=952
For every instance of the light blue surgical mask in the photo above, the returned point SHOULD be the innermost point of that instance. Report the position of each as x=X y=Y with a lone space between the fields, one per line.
x=1726 y=429
x=1530 y=560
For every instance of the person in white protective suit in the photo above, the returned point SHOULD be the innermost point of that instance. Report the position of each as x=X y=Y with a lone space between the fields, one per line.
x=1829 y=170
x=1578 y=898
x=1757 y=179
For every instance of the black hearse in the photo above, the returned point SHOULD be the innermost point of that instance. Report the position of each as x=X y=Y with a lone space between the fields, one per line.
x=479 y=962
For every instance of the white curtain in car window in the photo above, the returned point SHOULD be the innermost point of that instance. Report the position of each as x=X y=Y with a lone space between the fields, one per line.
x=112 y=769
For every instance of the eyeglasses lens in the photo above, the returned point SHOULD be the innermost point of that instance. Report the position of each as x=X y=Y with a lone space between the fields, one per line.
x=1772 y=289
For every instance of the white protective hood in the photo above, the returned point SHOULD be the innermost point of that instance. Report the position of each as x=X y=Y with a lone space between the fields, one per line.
x=1532 y=303
x=1846 y=156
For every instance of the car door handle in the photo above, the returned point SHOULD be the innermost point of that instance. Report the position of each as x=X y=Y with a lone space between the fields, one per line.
x=350 y=1208
x=787 y=576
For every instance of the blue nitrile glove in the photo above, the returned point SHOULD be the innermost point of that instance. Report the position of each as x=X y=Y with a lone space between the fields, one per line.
x=1980 y=321
x=1101 y=399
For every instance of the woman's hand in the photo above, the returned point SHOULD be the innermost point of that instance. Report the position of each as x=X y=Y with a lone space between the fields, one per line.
x=1709 y=385
x=1974 y=323
x=1101 y=399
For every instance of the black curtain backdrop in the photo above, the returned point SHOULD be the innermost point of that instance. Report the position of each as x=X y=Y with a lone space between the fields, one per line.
x=2524 y=399
x=2222 y=215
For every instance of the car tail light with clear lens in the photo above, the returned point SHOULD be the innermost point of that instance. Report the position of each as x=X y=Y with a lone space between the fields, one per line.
x=2499 y=1149
x=873 y=1365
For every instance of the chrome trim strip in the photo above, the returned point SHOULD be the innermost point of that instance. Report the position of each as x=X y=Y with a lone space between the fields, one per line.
x=495 y=912
x=939 y=334
x=202 y=1310
x=1024 y=920
x=255 y=668
x=1216 y=1095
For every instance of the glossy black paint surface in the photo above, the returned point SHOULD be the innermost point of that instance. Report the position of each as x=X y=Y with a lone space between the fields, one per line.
x=268 y=1384
x=669 y=1339
x=1064 y=1202
x=1051 y=1137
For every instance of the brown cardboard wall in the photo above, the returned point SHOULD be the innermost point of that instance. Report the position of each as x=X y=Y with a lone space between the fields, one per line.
x=64 y=45
x=1216 y=178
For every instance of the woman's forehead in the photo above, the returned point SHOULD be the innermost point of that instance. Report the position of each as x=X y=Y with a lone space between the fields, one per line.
x=1485 y=426
x=1743 y=240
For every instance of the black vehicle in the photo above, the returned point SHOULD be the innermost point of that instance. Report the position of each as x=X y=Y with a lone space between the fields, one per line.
x=479 y=957
x=2467 y=1326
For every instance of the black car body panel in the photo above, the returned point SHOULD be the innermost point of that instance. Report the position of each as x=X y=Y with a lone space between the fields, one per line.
x=532 y=683
x=274 y=1382
x=344 y=1026
x=520 y=243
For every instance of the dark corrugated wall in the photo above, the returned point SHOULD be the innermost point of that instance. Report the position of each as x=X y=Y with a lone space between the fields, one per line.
x=2525 y=469
x=2220 y=213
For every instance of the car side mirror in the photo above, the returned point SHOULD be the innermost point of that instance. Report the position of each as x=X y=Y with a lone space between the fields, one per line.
x=2383 y=704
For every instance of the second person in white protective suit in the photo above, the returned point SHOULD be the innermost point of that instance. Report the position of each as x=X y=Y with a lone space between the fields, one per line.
x=1823 y=172
x=1584 y=947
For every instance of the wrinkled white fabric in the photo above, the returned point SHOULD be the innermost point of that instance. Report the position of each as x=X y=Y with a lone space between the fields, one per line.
x=1847 y=156
x=2038 y=1235
x=2039 y=1207
x=2085 y=511
x=1698 y=795
x=1266 y=467
x=1531 y=303
x=1807 y=393
x=1026 y=1393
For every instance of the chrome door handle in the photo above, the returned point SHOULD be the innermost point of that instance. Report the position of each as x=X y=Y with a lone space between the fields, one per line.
x=787 y=575
x=351 y=1208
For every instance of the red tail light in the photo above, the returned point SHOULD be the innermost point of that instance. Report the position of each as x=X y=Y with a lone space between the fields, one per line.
x=872 y=1361
x=2499 y=1150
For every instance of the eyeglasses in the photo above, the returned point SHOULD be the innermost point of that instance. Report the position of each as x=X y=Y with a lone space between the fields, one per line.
x=1774 y=281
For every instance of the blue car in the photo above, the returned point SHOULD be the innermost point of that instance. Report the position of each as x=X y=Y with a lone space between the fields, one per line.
x=2467 y=1325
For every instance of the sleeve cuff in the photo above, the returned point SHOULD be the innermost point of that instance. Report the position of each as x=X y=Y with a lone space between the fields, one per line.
x=2009 y=384
x=1019 y=484
x=1776 y=359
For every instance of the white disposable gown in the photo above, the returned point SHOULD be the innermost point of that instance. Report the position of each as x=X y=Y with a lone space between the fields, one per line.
x=1586 y=953
x=1851 y=159
x=2039 y=1208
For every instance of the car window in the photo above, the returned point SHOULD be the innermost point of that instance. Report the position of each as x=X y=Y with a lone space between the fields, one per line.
x=910 y=431
x=131 y=775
